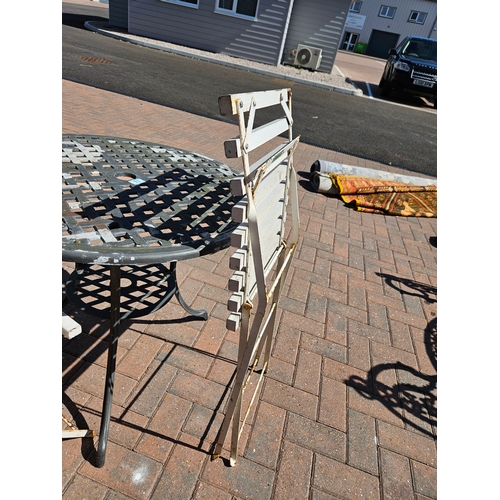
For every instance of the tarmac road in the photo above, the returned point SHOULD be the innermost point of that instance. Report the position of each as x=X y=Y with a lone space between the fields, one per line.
x=372 y=129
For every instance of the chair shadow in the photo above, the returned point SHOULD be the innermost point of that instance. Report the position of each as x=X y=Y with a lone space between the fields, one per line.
x=413 y=398
x=411 y=287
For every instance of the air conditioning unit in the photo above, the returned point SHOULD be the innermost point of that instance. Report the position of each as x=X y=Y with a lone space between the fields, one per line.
x=307 y=57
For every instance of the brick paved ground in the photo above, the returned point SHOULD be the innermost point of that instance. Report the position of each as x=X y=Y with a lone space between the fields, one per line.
x=348 y=410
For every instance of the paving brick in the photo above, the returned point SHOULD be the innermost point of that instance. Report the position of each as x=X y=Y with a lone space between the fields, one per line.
x=265 y=438
x=377 y=316
x=289 y=398
x=380 y=335
x=338 y=279
x=294 y=306
x=135 y=363
x=174 y=332
x=304 y=324
x=189 y=360
x=396 y=476
x=348 y=311
x=203 y=423
x=91 y=379
x=382 y=299
x=407 y=443
x=197 y=389
x=247 y=480
x=336 y=328
x=341 y=372
x=74 y=453
x=426 y=362
x=424 y=479
x=376 y=407
x=316 y=308
x=329 y=292
x=409 y=319
x=299 y=289
x=306 y=253
x=294 y=473
x=178 y=480
x=125 y=471
x=92 y=349
x=221 y=371
x=150 y=391
x=401 y=337
x=286 y=343
x=164 y=427
x=321 y=495
x=323 y=347
x=332 y=404
x=83 y=488
x=125 y=427
x=389 y=354
x=358 y=352
x=344 y=481
x=362 y=442
x=356 y=296
x=208 y=492
x=307 y=376
x=280 y=371
x=316 y=437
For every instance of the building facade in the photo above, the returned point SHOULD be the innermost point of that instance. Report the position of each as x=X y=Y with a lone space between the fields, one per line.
x=268 y=31
x=375 y=26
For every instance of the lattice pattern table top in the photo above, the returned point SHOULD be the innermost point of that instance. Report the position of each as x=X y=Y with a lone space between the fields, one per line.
x=133 y=202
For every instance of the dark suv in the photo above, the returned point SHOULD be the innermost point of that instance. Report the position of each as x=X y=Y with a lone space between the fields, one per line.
x=412 y=67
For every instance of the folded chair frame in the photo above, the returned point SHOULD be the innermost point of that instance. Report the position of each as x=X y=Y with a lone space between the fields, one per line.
x=265 y=247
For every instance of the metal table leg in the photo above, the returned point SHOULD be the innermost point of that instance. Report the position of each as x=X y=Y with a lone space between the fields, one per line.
x=198 y=313
x=111 y=365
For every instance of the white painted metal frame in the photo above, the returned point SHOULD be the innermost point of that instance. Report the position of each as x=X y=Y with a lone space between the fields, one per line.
x=263 y=250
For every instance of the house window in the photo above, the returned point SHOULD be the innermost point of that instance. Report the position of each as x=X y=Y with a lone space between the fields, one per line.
x=244 y=8
x=387 y=12
x=417 y=17
x=355 y=7
x=187 y=3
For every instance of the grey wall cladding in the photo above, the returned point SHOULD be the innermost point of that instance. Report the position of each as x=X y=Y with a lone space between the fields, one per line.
x=320 y=24
x=256 y=40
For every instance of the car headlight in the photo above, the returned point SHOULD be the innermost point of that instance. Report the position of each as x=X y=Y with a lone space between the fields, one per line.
x=402 y=66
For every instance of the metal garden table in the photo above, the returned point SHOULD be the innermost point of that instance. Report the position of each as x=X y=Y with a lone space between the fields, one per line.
x=129 y=207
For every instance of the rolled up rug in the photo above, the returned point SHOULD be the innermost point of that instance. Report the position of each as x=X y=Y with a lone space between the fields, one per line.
x=322 y=183
x=379 y=196
x=323 y=166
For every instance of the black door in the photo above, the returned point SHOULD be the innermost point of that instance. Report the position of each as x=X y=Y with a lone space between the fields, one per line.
x=380 y=43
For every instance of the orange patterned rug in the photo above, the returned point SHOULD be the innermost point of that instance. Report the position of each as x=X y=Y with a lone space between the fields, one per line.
x=386 y=197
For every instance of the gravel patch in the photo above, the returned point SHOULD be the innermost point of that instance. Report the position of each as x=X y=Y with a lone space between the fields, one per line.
x=332 y=81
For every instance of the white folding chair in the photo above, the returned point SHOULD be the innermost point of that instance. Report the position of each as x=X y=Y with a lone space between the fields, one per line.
x=264 y=246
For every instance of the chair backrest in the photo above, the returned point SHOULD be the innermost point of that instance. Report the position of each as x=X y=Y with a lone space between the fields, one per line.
x=264 y=244
x=267 y=185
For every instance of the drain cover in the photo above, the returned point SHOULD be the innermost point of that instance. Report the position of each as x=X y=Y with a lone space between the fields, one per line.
x=96 y=60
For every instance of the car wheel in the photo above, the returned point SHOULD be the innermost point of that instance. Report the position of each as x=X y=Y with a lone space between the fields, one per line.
x=386 y=89
x=381 y=83
x=436 y=103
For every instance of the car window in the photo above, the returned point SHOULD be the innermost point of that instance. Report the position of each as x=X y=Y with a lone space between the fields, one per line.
x=421 y=49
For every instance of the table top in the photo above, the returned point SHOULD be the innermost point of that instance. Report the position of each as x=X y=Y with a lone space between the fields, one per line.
x=126 y=201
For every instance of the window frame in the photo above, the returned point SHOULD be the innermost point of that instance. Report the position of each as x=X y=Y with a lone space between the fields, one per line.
x=418 y=12
x=184 y=3
x=353 y=4
x=232 y=12
x=382 y=7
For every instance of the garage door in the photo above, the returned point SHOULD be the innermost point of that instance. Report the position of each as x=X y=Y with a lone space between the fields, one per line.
x=380 y=43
